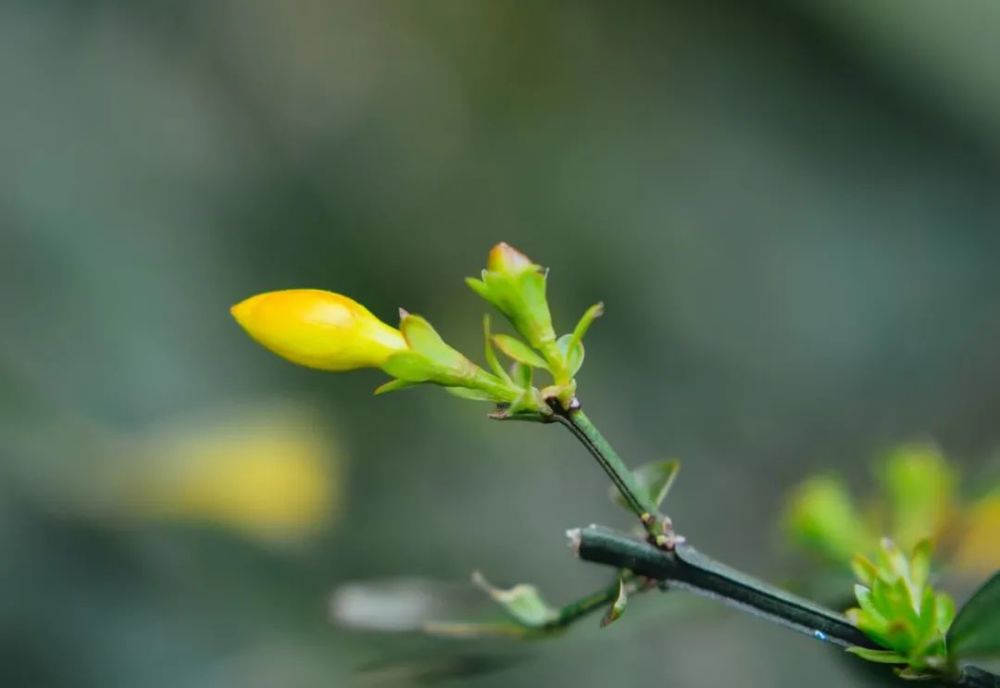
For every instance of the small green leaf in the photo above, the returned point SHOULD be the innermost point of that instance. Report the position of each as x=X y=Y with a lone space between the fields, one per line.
x=574 y=355
x=394 y=386
x=976 y=629
x=864 y=570
x=617 y=607
x=864 y=597
x=880 y=656
x=491 y=356
x=522 y=374
x=518 y=350
x=522 y=602
x=892 y=560
x=589 y=316
x=479 y=287
x=944 y=612
x=654 y=478
x=423 y=339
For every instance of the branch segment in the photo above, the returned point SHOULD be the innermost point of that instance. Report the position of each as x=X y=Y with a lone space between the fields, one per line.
x=687 y=568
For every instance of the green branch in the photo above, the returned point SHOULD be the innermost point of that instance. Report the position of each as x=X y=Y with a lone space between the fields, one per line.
x=686 y=568
x=638 y=500
x=689 y=569
x=678 y=564
x=576 y=610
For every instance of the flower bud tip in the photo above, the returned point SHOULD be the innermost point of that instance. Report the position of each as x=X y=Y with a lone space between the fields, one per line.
x=505 y=258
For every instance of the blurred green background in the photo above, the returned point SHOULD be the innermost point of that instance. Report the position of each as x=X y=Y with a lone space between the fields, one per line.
x=790 y=208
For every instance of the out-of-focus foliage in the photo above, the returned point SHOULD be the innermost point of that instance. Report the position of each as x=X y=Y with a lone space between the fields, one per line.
x=918 y=500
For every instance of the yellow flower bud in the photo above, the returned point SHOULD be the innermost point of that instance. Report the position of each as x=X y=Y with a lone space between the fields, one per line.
x=978 y=550
x=318 y=329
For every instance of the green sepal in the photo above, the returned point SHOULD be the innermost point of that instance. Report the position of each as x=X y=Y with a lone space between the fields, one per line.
x=617 y=607
x=394 y=386
x=469 y=393
x=654 y=479
x=521 y=298
x=423 y=339
x=410 y=367
x=479 y=287
x=976 y=629
x=518 y=351
x=430 y=359
x=523 y=602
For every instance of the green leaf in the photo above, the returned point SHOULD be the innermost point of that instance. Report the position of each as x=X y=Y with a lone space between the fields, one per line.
x=479 y=287
x=864 y=597
x=394 y=386
x=976 y=629
x=654 y=478
x=864 y=570
x=522 y=602
x=518 y=350
x=573 y=356
x=944 y=612
x=491 y=356
x=589 y=316
x=880 y=656
x=522 y=375
x=617 y=607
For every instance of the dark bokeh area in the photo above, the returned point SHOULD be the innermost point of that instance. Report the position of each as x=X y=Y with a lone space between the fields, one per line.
x=790 y=209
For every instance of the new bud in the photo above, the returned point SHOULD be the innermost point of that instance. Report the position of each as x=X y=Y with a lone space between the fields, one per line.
x=318 y=329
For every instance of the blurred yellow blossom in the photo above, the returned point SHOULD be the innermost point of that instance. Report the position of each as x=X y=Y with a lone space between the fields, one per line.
x=318 y=329
x=978 y=549
x=919 y=500
x=269 y=473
